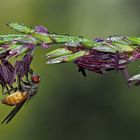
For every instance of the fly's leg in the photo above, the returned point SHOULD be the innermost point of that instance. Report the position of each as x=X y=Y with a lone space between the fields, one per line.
x=19 y=83
x=27 y=77
x=9 y=91
x=11 y=87
x=31 y=72
x=25 y=82
x=28 y=82
x=3 y=87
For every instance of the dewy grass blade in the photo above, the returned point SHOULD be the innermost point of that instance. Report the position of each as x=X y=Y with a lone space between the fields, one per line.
x=20 y=28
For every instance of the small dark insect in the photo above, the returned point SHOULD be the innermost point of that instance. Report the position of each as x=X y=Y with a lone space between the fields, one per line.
x=82 y=71
x=18 y=96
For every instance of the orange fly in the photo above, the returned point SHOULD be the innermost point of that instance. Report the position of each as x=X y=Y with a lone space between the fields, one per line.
x=23 y=93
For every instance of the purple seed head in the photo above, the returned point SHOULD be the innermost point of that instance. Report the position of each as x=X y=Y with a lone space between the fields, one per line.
x=45 y=45
x=7 y=71
x=41 y=29
x=23 y=66
x=100 y=62
x=99 y=39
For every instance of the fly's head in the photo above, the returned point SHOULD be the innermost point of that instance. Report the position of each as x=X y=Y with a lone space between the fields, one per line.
x=30 y=86
x=35 y=79
x=34 y=85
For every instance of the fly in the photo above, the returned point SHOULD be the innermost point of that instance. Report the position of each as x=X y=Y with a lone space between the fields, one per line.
x=19 y=96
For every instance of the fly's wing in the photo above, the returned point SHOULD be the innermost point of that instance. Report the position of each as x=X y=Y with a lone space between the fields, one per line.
x=13 y=113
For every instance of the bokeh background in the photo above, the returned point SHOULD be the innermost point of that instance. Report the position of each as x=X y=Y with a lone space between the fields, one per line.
x=69 y=106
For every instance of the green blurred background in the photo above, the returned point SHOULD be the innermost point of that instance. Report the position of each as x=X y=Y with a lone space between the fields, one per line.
x=69 y=106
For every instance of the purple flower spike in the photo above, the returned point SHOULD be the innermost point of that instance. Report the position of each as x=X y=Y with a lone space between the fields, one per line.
x=41 y=29
x=135 y=56
x=8 y=72
x=5 y=46
x=4 y=54
x=23 y=66
x=100 y=62
x=13 y=53
x=30 y=46
x=45 y=46
x=27 y=62
x=2 y=80
x=19 y=68
x=99 y=39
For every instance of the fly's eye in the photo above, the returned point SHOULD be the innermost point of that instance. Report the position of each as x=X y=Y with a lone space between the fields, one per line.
x=35 y=78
